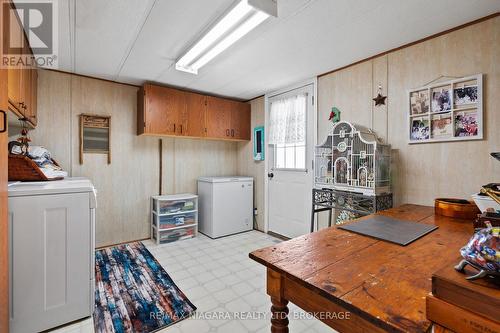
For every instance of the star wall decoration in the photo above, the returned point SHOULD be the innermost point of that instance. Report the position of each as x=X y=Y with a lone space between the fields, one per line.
x=379 y=100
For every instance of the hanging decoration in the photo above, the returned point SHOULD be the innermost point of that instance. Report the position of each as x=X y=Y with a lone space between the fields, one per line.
x=24 y=139
x=379 y=99
x=334 y=115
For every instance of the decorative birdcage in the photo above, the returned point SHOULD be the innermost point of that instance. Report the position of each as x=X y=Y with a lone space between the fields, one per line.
x=353 y=159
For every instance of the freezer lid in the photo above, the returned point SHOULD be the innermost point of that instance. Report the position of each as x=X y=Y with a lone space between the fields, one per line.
x=67 y=185
x=225 y=179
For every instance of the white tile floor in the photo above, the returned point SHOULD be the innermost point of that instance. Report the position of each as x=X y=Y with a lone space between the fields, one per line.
x=219 y=277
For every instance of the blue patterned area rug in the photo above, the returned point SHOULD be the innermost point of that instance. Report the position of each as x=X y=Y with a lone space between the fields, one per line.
x=134 y=293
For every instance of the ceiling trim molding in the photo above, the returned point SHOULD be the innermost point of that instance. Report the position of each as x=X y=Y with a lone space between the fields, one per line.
x=485 y=18
x=482 y=19
x=87 y=76
x=251 y=99
x=146 y=82
x=200 y=92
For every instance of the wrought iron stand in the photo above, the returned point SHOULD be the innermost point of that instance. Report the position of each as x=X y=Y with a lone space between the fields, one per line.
x=356 y=203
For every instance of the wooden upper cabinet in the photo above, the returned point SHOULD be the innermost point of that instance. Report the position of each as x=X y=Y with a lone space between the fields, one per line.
x=240 y=121
x=194 y=120
x=173 y=112
x=228 y=119
x=219 y=117
x=164 y=110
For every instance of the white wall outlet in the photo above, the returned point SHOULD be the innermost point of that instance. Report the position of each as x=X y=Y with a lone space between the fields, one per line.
x=255 y=212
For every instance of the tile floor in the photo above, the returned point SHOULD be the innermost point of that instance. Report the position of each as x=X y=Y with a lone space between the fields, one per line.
x=219 y=278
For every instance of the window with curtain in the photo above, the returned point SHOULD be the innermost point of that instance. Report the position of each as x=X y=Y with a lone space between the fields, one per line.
x=287 y=131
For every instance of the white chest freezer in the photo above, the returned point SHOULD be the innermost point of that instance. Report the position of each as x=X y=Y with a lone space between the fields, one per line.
x=225 y=205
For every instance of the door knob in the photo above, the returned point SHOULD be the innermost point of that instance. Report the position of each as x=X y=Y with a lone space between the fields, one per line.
x=270 y=175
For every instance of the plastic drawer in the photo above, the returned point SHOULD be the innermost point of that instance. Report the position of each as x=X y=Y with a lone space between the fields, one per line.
x=168 y=236
x=177 y=206
x=172 y=221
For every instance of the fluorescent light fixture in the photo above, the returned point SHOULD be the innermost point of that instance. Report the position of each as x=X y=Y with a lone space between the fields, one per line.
x=239 y=21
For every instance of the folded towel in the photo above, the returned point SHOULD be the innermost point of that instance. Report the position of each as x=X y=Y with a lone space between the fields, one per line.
x=51 y=173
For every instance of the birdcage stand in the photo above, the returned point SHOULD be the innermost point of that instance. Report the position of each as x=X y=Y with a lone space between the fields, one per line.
x=357 y=203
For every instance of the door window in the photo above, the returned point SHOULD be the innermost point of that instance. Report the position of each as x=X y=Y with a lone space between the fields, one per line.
x=287 y=132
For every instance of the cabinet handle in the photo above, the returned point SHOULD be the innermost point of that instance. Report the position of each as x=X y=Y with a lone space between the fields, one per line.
x=4 y=129
x=232 y=133
x=181 y=128
x=174 y=128
x=227 y=132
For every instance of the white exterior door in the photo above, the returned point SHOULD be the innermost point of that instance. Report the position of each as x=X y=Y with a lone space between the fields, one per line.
x=290 y=147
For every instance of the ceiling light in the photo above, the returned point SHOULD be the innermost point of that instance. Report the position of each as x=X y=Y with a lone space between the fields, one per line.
x=239 y=21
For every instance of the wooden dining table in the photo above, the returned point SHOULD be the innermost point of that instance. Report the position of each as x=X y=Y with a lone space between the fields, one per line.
x=355 y=283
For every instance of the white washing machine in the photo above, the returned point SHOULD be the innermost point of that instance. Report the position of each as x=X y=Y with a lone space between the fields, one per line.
x=225 y=205
x=51 y=253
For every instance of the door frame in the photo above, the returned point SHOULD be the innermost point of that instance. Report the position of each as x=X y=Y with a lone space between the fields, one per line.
x=310 y=164
x=4 y=228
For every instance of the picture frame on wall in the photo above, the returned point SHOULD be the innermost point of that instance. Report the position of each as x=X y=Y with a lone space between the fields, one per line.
x=465 y=96
x=441 y=99
x=441 y=126
x=419 y=102
x=446 y=111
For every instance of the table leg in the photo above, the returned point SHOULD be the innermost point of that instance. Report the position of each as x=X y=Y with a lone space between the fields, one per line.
x=330 y=217
x=279 y=319
x=312 y=218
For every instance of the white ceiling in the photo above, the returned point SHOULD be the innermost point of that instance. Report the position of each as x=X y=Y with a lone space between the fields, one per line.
x=134 y=41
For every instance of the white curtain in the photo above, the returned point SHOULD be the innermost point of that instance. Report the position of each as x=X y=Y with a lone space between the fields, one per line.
x=288 y=120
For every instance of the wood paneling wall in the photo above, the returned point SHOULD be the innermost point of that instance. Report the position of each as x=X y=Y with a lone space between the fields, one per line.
x=248 y=167
x=125 y=186
x=425 y=171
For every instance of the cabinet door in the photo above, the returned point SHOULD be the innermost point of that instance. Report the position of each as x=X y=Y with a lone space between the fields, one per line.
x=219 y=117
x=50 y=260
x=14 y=37
x=25 y=95
x=164 y=110
x=34 y=97
x=240 y=121
x=194 y=122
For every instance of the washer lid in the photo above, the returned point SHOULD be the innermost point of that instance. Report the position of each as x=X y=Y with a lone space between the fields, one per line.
x=226 y=179
x=67 y=185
